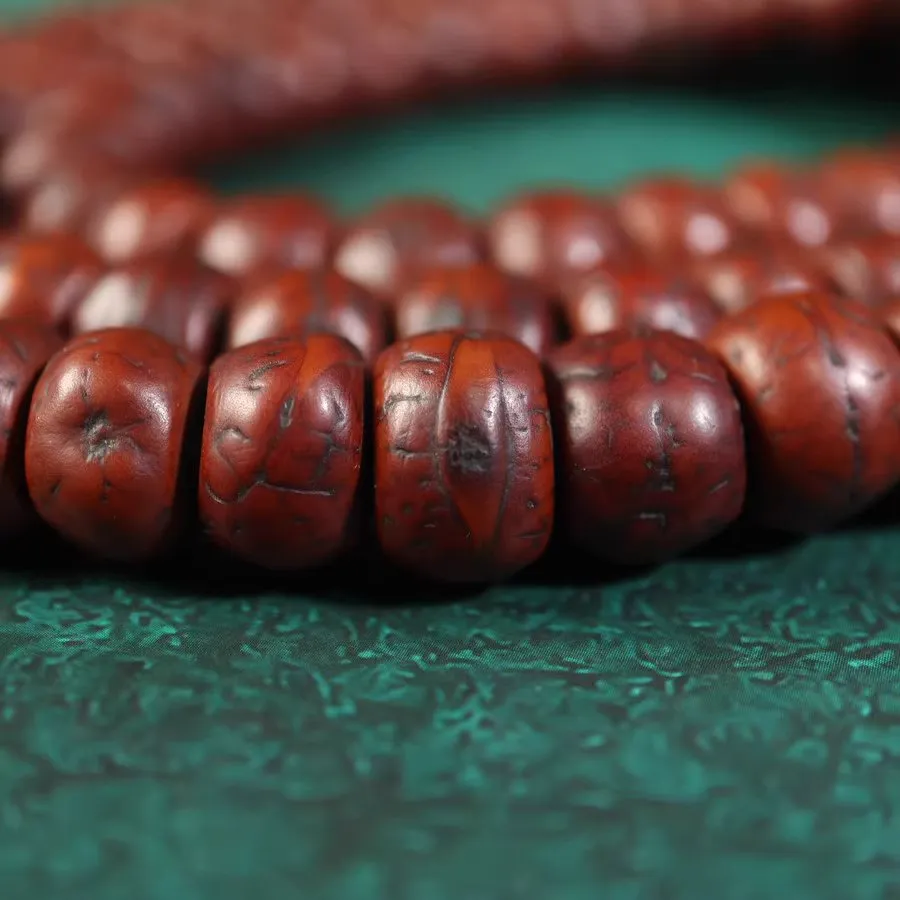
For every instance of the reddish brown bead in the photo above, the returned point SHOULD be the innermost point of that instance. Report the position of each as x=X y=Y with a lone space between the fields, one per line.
x=650 y=445
x=175 y=297
x=258 y=231
x=890 y=316
x=64 y=201
x=282 y=449
x=737 y=280
x=782 y=205
x=819 y=383
x=25 y=348
x=160 y=215
x=44 y=277
x=299 y=303
x=463 y=456
x=866 y=269
x=556 y=235
x=674 y=219
x=476 y=297
x=864 y=186
x=105 y=442
x=402 y=236
x=637 y=300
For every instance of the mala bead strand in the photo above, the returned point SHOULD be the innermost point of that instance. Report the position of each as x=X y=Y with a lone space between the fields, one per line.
x=736 y=280
x=673 y=219
x=864 y=185
x=172 y=296
x=866 y=269
x=639 y=299
x=781 y=205
x=553 y=237
x=25 y=347
x=258 y=231
x=109 y=442
x=464 y=474
x=649 y=442
x=282 y=451
x=298 y=303
x=403 y=237
x=155 y=216
x=45 y=277
x=819 y=384
x=477 y=297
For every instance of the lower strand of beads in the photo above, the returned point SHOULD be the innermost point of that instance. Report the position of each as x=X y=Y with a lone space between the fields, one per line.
x=636 y=447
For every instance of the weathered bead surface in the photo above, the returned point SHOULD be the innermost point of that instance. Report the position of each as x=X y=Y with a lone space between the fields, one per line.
x=649 y=442
x=479 y=298
x=25 y=347
x=44 y=277
x=781 y=204
x=299 y=303
x=263 y=230
x=161 y=215
x=105 y=442
x=174 y=297
x=282 y=449
x=404 y=235
x=737 y=280
x=463 y=456
x=636 y=300
x=819 y=384
x=553 y=236
x=673 y=218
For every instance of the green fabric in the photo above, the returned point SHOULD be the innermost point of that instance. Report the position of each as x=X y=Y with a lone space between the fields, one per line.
x=720 y=728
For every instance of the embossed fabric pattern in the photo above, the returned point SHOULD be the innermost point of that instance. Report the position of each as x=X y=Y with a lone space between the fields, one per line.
x=720 y=730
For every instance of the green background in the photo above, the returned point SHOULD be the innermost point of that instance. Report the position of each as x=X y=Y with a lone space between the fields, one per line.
x=724 y=727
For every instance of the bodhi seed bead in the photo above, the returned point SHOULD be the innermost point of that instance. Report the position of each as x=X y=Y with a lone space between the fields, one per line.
x=463 y=456
x=649 y=442
x=282 y=450
x=819 y=384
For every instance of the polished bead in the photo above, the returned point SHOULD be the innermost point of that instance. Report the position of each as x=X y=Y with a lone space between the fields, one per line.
x=736 y=280
x=864 y=186
x=866 y=268
x=553 y=236
x=44 y=277
x=64 y=201
x=890 y=316
x=476 y=297
x=159 y=215
x=298 y=303
x=672 y=218
x=649 y=445
x=402 y=236
x=175 y=297
x=463 y=456
x=782 y=205
x=282 y=450
x=261 y=230
x=25 y=347
x=107 y=439
x=638 y=299
x=819 y=383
